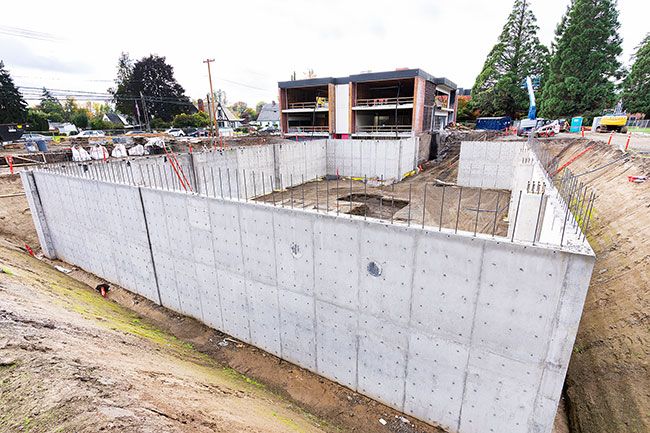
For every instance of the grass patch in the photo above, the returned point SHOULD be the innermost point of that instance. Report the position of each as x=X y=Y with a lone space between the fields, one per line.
x=637 y=129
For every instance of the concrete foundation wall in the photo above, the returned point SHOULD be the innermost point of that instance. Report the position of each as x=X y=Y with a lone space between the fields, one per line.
x=381 y=159
x=471 y=333
x=487 y=164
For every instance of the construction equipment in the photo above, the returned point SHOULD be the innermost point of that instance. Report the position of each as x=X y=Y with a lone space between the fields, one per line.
x=613 y=120
x=532 y=122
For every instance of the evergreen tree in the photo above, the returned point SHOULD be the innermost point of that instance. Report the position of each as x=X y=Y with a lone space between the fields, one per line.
x=516 y=55
x=154 y=78
x=13 y=108
x=636 y=86
x=583 y=68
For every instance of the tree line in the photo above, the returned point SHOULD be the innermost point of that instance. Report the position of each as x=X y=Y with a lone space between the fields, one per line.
x=579 y=74
x=145 y=87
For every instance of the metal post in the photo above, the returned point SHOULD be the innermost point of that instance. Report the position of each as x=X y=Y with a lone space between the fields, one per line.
x=303 y=191
x=237 y=182
x=317 y=203
x=272 y=189
x=254 y=185
x=229 y=185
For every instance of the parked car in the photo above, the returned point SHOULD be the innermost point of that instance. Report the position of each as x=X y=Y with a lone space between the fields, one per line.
x=136 y=132
x=92 y=133
x=33 y=137
x=175 y=132
x=199 y=133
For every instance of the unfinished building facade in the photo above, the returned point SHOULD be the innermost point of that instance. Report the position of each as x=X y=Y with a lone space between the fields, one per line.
x=399 y=103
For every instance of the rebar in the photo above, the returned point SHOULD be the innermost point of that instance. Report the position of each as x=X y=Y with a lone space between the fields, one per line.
x=514 y=225
x=424 y=203
x=460 y=197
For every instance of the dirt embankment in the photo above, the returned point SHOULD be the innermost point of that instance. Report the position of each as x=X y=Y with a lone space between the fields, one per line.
x=608 y=382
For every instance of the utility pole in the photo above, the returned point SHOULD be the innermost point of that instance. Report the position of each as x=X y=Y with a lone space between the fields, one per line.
x=214 y=110
x=145 y=112
x=208 y=99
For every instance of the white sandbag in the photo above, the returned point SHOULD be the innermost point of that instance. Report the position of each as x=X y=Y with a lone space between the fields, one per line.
x=137 y=150
x=119 y=151
x=79 y=154
x=98 y=152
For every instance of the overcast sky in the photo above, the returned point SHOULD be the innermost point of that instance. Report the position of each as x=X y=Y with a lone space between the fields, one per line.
x=257 y=43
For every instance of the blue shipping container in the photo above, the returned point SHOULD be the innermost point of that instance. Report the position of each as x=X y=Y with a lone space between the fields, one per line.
x=494 y=123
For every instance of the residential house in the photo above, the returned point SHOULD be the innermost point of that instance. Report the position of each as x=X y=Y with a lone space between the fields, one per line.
x=269 y=116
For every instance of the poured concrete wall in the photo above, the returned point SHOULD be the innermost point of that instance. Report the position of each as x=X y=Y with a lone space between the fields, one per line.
x=487 y=164
x=381 y=159
x=471 y=333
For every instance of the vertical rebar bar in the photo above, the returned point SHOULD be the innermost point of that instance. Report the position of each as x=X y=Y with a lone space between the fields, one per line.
x=291 y=188
x=317 y=201
x=581 y=209
x=220 y=183
x=409 y=212
x=237 y=182
x=337 y=192
x=254 y=184
x=478 y=210
x=588 y=217
x=303 y=190
x=424 y=203
x=272 y=186
x=327 y=195
x=442 y=204
x=205 y=180
x=460 y=197
x=365 y=197
x=514 y=225
x=392 y=203
x=496 y=213
x=243 y=175
x=566 y=216
x=229 y=183
x=350 y=197
x=539 y=215
x=214 y=184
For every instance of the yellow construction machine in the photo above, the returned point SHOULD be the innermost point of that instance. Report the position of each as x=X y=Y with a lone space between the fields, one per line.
x=614 y=120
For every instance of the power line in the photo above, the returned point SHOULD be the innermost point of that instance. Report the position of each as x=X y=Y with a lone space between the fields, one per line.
x=29 y=34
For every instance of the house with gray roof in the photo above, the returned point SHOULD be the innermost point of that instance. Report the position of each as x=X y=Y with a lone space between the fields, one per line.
x=269 y=115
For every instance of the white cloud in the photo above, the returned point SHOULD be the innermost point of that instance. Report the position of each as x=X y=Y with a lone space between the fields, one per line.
x=257 y=43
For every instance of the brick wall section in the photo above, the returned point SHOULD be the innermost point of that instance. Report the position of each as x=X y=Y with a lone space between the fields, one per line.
x=282 y=101
x=429 y=101
x=418 y=104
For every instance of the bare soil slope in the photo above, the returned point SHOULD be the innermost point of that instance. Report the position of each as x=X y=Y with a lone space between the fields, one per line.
x=608 y=382
x=72 y=361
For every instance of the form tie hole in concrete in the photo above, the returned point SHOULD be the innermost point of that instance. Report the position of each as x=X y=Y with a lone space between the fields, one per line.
x=295 y=250
x=374 y=269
